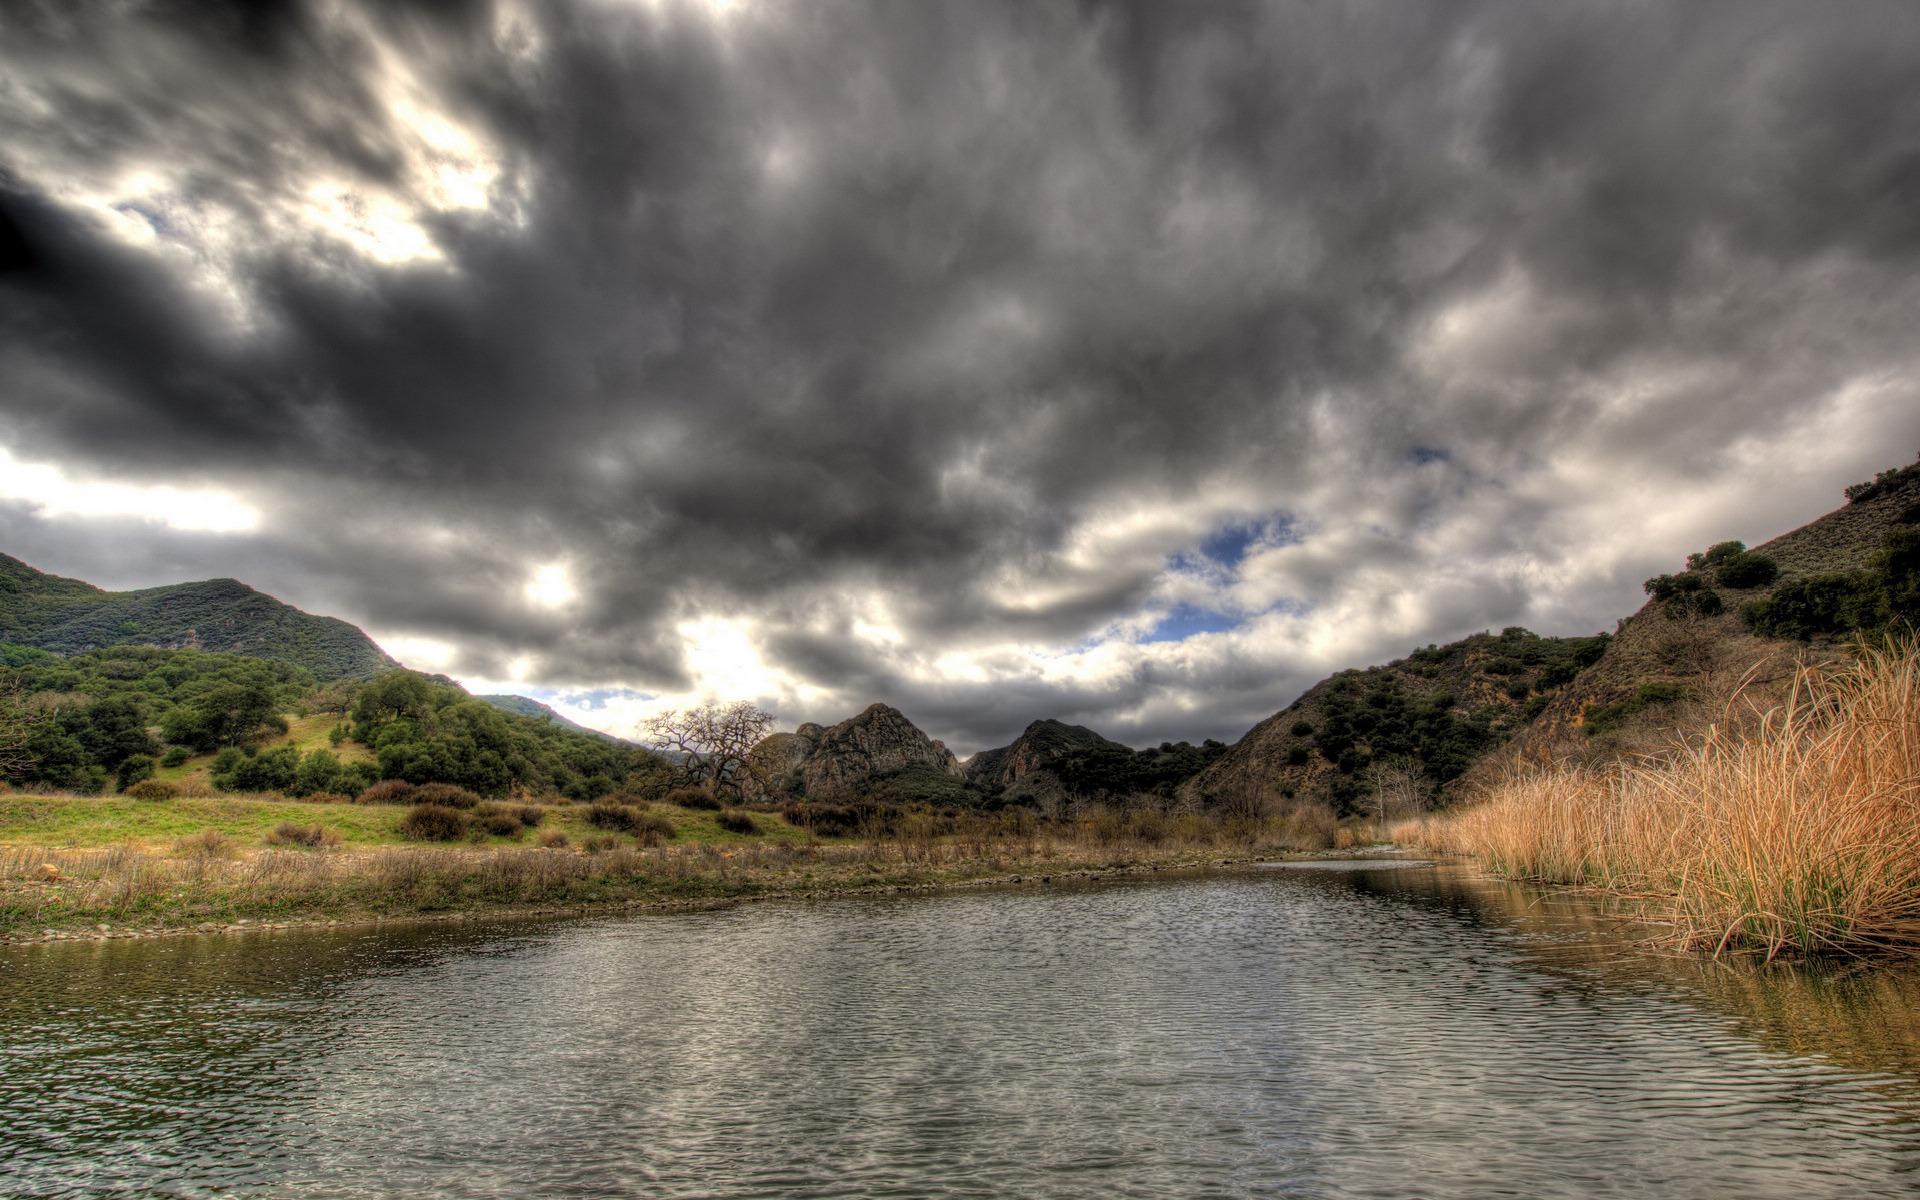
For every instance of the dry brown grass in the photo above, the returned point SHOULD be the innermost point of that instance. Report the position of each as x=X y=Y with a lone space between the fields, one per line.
x=1798 y=831
x=126 y=886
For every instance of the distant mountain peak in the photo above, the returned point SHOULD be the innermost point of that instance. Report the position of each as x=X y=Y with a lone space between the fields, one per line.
x=527 y=706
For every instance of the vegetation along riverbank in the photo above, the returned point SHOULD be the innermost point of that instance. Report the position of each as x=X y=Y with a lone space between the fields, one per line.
x=271 y=861
x=1785 y=827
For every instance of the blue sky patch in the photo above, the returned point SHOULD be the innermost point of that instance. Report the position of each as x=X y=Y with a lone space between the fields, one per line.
x=594 y=699
x=1186 y=620
x=1229 y=545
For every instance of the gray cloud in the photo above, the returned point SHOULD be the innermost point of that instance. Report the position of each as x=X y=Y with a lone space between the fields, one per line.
x=958 y=319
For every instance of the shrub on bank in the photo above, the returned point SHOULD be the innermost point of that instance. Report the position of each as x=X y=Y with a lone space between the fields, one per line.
x=387 y=791
x=433 y=823
x=619 y=818
x=151 y=789
x=734 y=820
x=842 y=820
x=288 y=833
x=649 y=827
x=445 y=794
x=693 y=798
x=498 y=820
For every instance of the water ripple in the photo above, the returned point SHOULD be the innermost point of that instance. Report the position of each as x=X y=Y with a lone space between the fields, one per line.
x=1333 y=1032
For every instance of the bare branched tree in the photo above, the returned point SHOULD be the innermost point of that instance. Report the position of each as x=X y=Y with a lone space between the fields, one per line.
x=18 y=719
x=1397 y=788
x=711 y=741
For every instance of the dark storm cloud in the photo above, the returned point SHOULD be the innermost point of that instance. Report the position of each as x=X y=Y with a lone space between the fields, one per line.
x=778 y=313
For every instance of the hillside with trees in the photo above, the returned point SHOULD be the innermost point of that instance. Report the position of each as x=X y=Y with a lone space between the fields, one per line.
x=68 y=616
x=1409 y=727
x=111 y=718
x=1739 y=620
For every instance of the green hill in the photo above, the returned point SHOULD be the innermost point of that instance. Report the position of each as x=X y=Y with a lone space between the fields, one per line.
x=67 y=616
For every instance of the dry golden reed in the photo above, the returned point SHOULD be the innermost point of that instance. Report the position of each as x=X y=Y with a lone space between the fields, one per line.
x=1798 y=832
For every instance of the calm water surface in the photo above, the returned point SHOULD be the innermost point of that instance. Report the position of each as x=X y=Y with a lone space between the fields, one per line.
x=1388 y=1032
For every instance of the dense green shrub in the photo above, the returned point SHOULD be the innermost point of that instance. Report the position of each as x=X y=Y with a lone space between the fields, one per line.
x=1684 y=595
x=134 y=768
x=1886 y=481
x=235 y=770
x=1884 y=596
x=1716 y=555
x=319 y=771
x=175 y=756
x=1814 y=606
x=1746 y=570
x=433 y=823
x=1109 y=772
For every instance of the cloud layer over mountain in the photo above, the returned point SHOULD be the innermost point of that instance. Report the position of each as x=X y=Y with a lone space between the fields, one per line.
x=1133 y=364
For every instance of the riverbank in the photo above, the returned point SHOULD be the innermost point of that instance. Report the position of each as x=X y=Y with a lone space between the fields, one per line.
x=1789 y=831
x=120 y=892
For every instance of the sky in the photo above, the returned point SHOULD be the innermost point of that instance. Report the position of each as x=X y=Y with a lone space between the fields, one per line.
x=1133 y=364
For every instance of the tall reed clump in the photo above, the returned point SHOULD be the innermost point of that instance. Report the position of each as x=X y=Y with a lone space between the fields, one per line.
x=1798 y=832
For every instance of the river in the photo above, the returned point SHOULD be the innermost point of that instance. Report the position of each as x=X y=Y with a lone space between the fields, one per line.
x=1321 y=1030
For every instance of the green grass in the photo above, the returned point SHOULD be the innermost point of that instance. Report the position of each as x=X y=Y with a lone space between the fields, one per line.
x=76 y=822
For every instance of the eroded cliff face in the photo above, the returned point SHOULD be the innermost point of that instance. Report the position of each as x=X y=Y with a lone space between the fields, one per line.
x=840 y=762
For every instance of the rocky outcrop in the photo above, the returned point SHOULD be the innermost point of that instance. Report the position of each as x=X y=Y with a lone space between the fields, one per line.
x=774 y=764
x=843 y=762
x=1042 y=744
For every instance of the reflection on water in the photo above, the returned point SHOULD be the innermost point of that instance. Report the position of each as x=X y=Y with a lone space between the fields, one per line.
x=1326 y=1032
